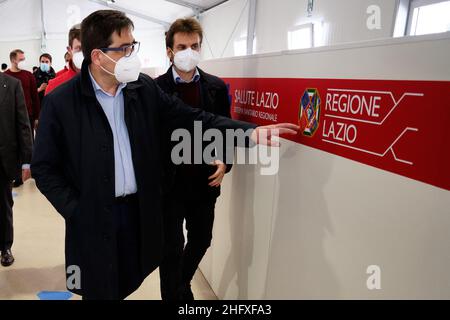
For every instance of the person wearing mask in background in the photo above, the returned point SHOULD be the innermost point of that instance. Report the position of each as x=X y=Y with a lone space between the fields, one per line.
x=44 y=74
x=4 y=67
x=15 y=142
x=66 y=64
x=75 y=61
x=17 y=70
x=97 y=159
x=195 y=187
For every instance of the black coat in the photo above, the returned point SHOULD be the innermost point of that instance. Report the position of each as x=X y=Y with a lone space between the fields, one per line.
x=43 y=77
x=73 y=164
x=215 y=99
x=15 y=131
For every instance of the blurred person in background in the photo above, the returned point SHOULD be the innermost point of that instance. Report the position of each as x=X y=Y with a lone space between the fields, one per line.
x=18 y=71
x=75 y=61
x=66 y=64
x=15 y=142
x=44 y=74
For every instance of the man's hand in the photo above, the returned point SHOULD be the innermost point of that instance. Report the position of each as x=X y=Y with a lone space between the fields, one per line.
x=217 y=177
x=26 y=174
x=264 y=134
x=42 y=87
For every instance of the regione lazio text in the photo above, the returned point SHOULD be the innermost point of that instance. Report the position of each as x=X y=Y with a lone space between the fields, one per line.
x=398 y=126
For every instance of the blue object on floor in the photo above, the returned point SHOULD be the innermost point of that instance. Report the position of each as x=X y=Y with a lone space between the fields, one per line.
x=54 y=295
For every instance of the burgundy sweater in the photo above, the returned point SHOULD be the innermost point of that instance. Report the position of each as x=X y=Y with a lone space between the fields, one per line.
x=30 y=91
x=190 y=93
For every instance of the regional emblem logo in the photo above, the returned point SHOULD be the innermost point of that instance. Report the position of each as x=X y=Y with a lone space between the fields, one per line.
x=309 y=114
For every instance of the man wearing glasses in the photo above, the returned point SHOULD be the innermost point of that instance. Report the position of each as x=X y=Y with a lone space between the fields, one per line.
x=97 y=159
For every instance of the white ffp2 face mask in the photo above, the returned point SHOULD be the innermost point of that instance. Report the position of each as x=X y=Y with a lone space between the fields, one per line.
x=127 y=69
x=23 y=65
x=187 y=60
x=77 y=59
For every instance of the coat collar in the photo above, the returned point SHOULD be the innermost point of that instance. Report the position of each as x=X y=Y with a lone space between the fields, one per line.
x=178 y=79
x=208 y=87
x=171 y=82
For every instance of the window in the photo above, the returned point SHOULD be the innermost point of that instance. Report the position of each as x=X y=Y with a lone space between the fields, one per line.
x=426 y=17
x=301 y=37
x=418 y=17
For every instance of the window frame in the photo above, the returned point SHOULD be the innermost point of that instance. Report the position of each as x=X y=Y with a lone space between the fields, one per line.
x=405 y=14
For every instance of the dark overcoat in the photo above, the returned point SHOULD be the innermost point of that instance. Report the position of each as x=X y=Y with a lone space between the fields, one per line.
x=15 y=131
x=214 y=97
x=73 y=165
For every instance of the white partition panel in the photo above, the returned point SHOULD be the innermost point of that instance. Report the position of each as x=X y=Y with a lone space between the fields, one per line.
x=312 y=230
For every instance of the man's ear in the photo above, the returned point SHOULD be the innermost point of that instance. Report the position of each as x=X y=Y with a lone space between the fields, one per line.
x=95 y=57
x=169 y=54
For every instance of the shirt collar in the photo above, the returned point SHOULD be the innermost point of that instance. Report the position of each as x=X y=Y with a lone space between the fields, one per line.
x=178 y=80
x=97 y=87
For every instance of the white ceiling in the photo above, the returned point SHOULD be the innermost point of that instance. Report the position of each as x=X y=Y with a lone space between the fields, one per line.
x=21 y=19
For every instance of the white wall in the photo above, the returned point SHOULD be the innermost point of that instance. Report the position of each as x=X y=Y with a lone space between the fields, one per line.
x=341 y=21
x=312 y=230
x=344 y=21
x=20 y=29
x=222 y=26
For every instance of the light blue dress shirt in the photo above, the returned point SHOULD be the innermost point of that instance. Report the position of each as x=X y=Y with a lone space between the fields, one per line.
x=113 y=106
x=177 y=78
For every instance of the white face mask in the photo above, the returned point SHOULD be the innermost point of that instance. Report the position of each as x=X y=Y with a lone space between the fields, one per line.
x=22 y=65
x=186 y=60
x=127 y=69
x=78 y=59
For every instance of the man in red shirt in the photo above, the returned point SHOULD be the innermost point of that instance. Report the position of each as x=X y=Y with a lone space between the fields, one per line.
x=66 y=66
x=28 y=81
x=75 y=62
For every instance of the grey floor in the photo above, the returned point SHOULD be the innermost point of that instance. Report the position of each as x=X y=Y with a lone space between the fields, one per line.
x=39 y=252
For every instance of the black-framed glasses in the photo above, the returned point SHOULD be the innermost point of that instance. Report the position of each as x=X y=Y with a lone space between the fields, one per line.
x=127 y=50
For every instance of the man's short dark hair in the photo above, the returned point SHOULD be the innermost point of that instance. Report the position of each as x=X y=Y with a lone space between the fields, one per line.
x=45 y=55
x=13 y=55
x=74 y=33
x=97 y=30
x=189 y=26
x=4 y=66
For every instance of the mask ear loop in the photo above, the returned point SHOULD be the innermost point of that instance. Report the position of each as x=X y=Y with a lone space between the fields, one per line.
x=110 y=73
